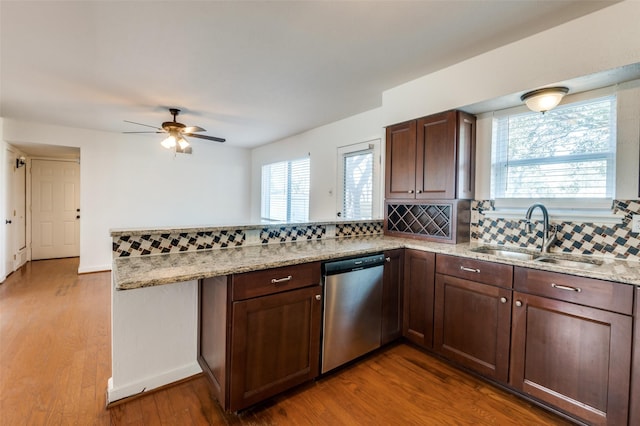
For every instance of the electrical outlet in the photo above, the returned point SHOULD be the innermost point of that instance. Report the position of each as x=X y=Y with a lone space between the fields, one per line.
x=635 y=223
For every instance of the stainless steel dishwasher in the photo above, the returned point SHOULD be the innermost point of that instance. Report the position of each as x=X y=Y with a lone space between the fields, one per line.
x=352 y=318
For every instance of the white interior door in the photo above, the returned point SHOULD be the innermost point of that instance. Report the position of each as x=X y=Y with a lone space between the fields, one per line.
x=7 y=220
x=55 y=204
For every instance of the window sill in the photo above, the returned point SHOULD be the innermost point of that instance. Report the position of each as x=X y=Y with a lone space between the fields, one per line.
x=604 y=217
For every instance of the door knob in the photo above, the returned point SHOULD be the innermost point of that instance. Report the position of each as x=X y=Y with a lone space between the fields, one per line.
x=78 y=217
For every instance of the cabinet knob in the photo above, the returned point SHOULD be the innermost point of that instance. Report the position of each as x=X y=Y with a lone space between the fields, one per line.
x=419 y=191
x=410 y=191
x=518 y=303
x=318 y=297
x=503 y=300
x=388 y=259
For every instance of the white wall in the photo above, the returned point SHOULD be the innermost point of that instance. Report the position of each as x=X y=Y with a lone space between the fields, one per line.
x=600 y=41
x=322 y=143
x=597 y=42
x=154 y=337
x=131 y=181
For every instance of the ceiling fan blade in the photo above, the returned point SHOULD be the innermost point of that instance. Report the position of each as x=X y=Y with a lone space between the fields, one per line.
x=193 y=129
x=143 y=132
x=140 y=124
x=210 y=138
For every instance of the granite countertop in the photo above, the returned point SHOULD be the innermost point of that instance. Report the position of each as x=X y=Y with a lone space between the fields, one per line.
x=153 y=270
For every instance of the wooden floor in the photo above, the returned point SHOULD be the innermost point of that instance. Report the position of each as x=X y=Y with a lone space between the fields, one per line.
x=55 y=361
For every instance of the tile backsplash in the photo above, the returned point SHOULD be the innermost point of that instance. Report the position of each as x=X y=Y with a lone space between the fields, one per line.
x=176 y=241
x=573 y=237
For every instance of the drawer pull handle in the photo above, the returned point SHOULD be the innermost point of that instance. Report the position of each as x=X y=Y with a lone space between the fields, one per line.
x=566 y=287
x=464 y=268
x=281 y=280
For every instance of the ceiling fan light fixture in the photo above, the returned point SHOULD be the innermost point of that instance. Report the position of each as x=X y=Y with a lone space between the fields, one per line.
x=183 y=143
x=169 y=142
x=543 y=100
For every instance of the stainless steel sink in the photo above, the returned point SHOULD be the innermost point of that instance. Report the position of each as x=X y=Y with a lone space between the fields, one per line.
x=571 y=263
x=506 y=253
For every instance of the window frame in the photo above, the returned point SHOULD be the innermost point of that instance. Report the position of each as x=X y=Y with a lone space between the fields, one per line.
x=347 y=150
x=288 y=200
x=578 y=209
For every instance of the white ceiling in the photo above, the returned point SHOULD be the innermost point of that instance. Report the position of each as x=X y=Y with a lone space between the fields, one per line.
x=252 y=72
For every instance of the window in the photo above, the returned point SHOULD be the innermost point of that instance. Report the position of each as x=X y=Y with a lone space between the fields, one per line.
x=358 y=180
x=357 y=199
x=568 y=152
x=285 y=191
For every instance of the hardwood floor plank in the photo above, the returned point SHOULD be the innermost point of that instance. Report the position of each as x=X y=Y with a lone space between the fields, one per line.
x=55 y=360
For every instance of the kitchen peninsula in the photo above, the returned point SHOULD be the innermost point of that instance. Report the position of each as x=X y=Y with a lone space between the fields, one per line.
x=155 y=299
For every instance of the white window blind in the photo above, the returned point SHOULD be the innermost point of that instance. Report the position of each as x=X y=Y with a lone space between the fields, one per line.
x=568 y=152
x=357 y=199
x=285 y=191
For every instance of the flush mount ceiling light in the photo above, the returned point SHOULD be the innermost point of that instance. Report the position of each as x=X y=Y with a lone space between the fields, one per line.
x=543 y=100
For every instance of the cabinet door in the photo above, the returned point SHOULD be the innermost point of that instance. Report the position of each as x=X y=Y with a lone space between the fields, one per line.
x=634 y=409
x=400 y=161
x=392 y=295
x=466 y=158
x=574 y=357
x=436 y=156
x=417 y=324
x=473 y=325
x=275 y=344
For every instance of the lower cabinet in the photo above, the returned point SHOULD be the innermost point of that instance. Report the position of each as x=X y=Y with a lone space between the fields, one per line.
x=568 y=354
x=274 y=344
x=260 y=332
x=392 y=295
x=634 y=409
x=417 y=324
x=472 y=314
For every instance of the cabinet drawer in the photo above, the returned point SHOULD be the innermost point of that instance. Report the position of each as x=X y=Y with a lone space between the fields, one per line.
x=585 y=291
x=475 y=270
x=275 y=280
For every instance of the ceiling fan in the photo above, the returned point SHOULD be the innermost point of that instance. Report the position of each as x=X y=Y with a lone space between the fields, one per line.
x=176 y=133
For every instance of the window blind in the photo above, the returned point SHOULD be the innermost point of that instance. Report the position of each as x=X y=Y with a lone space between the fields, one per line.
x=285 y=191
x=357 y=200
x=568 y=152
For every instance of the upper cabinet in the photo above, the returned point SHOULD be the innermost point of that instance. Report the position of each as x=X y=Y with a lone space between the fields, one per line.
x=431 y=158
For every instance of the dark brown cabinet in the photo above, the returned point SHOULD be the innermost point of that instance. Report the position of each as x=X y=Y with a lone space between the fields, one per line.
x=634 y=409
x=417 y=324
x=392 y=295
x=472 y=315
x=260 y=332
x=432 y=158
x=571 y=344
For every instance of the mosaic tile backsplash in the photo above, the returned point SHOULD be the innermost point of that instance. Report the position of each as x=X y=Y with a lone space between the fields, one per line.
x=142 y=245
x=576 y=238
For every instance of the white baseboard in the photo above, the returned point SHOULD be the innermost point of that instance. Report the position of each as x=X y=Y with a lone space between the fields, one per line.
x=149 y=383
x=90 y=269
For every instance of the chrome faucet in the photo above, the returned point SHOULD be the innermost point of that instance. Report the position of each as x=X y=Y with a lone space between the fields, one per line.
x=547 y=239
